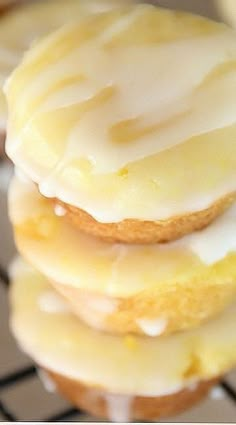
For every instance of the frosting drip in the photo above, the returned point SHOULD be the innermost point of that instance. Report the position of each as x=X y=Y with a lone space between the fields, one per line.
x=119 y=407
x=47 y=382
x=217 y=393
x=152 y=327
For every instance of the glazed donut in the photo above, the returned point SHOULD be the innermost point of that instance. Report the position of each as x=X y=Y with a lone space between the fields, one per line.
x=133 y=127
x=112 y=375
x=148 y=289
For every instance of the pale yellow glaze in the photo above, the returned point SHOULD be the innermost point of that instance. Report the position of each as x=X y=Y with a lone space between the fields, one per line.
x=70 y=257
x=129 y=114
x=124 y=365
x=25 y=24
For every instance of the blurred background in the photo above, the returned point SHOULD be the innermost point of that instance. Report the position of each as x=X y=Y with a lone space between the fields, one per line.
x=23 y=396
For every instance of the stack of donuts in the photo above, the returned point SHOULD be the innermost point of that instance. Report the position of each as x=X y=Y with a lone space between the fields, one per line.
x=122 y=130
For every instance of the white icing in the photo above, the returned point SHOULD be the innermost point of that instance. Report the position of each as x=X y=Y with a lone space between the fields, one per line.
x=203 y=110
x=47 y=382
x=130 y=204
x=50 y=302
x=60 y=211
x=68 y=347
x=215 y=241
x=152 y=327
x=165 y=86
x=46 y=190
x=217 y=393
x=119 y=407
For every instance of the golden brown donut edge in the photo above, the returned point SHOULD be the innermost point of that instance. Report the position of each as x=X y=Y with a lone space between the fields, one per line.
x=93 y=400
x=146 y=232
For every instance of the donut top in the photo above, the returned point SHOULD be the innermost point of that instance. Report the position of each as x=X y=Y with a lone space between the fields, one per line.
x=116 y=90
x=26 y=23
x=70 y=257
x=57 y=340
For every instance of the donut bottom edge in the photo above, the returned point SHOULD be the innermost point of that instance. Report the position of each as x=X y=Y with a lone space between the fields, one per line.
x=132 y=231
x=104 y=405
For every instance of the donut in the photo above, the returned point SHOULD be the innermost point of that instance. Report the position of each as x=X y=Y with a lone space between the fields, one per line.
x=119 y=378
x=121 y=288
x=127 y=119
